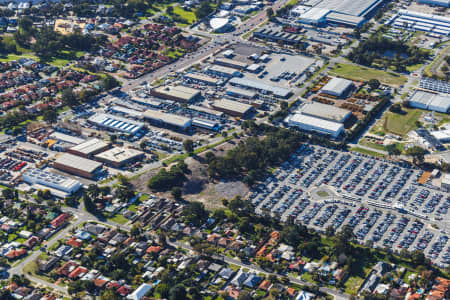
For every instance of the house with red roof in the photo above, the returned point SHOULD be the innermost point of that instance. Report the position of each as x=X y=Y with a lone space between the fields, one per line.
x=59 y=220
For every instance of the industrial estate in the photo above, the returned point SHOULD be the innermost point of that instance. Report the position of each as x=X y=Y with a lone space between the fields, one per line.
x=242 y=149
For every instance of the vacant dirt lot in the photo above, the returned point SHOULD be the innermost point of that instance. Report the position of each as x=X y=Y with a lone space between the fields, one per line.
x=197 y=187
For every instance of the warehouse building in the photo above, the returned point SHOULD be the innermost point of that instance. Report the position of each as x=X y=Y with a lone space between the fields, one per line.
x=442 y=136
x=201 y=78
x=230 y=63
x=211 y=113
x=89 y=148
x=116 y=123
x=416 y=21
x=337 y=87
x=205 y=124
x=233 y=108
x=59 y=136
x=325 y=112
x=361 y=8
x=314 y=16
x=346 y=20
x=135 y=114
x=222 y=71
x=58 y=185
x=237 y=92
x=443 y=3
x=274 y=35
x=430 y=101
x=177 y=93
x=77 y=165
x=315 y=125
x=119 y=157
x=261 y=87
x=58 y=141
x=167 y=120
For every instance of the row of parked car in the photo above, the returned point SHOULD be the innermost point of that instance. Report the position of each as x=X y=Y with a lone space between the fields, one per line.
x=368 y=224
x=12 y=164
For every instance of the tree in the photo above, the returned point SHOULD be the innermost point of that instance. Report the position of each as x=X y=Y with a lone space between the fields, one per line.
x=169 y=10
x=163 y=290
x=396 y=108
x=176 y=193
x=69 y=98
x=245 y=295
x=283 y=105
x=392 y=149
x=417 y=257
x=188 y=146
x=178 y=292
x=109 y=82
x=135 y=230
x=195 y=213
x=269 y=13
x=329 y=231
x=417 y=153
x=50 y=116
x=374 y=84
x=203 y=10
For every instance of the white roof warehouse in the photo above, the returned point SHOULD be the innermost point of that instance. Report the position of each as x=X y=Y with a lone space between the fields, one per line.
x=116 y=123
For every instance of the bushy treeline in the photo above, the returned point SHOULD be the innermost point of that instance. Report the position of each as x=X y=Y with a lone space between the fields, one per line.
x=165 y=180
x=375 y=47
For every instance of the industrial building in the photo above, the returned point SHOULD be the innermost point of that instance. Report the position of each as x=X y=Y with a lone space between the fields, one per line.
x=135 y=114
x=222 y=71
x=315 y=125
x=343 y=19
x=351 y=13
x=58 y=185
x=61 y=142
x=274 y=35
x=167 y=120
x=89 y=148
x=233 y=108
x=442 y=136
x=337 y=87
x=205 y=124
x=445 y=183
x=237 y=92
x=361 y=8
x=177 y=93
x=430 y=101
x=416 y=21
x=314 y=16
x=231 y=63
x=443 y=3
x=261 y=87
x=59 y=136
x=325 y=112
x=207 y=111
x=201 y=78
x=77 y=165
x=116 y=123
x=118 y=157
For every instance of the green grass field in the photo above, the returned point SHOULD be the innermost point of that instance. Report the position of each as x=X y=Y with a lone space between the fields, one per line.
x=402 y=124
x=368 y=152
x=118 y=218
x=188 y=15
x=354 y=72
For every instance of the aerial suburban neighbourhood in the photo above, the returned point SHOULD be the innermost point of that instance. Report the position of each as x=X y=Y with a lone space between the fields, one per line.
x=238 y=149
